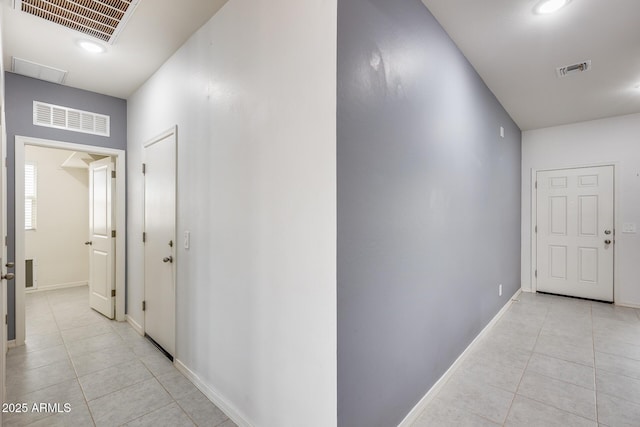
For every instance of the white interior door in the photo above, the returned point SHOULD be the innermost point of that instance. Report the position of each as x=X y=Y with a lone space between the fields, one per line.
x=159 y=247
x=101 y=242
x=575 y=237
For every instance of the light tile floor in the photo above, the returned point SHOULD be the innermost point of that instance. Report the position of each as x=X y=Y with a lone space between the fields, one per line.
x=109 y=374
x=549 y=361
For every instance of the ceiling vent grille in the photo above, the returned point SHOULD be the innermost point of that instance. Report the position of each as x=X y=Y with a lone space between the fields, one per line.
x=573 y=68
x=102 y=19
x=55 y=116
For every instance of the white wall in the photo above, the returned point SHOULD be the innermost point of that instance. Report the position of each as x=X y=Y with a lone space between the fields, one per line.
x=62 y=225
x=613 y=140
x=253 y=94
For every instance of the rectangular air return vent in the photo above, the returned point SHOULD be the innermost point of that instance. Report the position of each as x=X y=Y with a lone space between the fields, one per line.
x=37 y=71
x=55 y=116
x=573 y=68
x=102 y=19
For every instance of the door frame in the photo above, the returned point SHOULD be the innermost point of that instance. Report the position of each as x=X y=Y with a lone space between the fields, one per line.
x=171 y=131
x=534 y=218
x=120 y=220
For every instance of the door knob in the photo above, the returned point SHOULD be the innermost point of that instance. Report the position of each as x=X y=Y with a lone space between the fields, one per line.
x=607 y=232
x=167 y=259
x=607 y=242
x=8 y=276
x=88 y=243
x=10 y=264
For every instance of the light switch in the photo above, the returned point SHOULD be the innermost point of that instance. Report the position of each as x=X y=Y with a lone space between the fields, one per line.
x=187 y=239
x=629 y=227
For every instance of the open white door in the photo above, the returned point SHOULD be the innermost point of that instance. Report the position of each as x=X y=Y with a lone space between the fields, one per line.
x=575 y=237
x=159 y=247
x=101 y=240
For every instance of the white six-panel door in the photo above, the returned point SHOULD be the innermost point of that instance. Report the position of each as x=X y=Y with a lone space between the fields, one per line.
x=101 y=243
x=575 y=232
x=160 y=245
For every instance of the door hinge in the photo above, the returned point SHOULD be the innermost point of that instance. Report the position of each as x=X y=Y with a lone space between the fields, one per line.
x=536 y=228
x=144 y=236
x=144 y=305
x=113 y=292
x=144 y=168
x=536 y=273
x=536 y=185
x=6 y=319
x=6 y=163
x=113 y=233
x=5 y=241
x=113 y=174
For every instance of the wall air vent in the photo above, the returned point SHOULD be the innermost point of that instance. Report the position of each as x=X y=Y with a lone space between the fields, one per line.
x=102 y=19
x=573 y=68
x=55 y=116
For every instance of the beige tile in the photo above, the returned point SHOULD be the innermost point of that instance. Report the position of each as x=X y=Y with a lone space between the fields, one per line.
x=128 y=404
x=574 y=373
x=478 y=398
x=557 y=347
x=567 y=397
x=201 y=410
x=90 y=362
x=442 y=414
x=158 y=364
x=114 y=378
x=613 y=411
x=176 y=384
x=169 y=416
x=21 y=382
x=529 y=413
x=618 y=365
x=626 y=388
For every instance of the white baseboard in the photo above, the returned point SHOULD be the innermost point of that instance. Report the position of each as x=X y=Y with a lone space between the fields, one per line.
x=11 y=343
x=54 y=287
x=627 y=304
x=417 y=410
x=231 y=411
x=135 y=325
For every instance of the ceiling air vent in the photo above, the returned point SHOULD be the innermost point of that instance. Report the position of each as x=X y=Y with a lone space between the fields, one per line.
x=55 y=116
x=102 y=19
x=37 y=71
x=573 y=69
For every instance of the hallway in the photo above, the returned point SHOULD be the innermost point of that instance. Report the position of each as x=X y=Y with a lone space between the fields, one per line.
x=108 y=373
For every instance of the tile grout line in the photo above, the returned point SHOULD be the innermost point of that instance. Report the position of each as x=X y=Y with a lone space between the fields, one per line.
x=73 y=366
x=595 y=369
x=515 y=393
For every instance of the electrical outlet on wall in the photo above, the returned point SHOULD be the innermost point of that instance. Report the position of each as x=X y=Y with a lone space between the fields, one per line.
x=500 y=290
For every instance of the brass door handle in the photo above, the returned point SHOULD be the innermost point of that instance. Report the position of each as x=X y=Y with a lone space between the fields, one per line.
x=10 y=264
x=167 y=259
x=607 y=242
x=8 y=276
x=89 y=243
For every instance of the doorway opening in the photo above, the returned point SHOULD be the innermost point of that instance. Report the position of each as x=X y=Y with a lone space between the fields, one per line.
x=33 y=208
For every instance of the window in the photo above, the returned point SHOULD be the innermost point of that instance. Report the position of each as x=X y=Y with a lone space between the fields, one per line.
x=30 y=193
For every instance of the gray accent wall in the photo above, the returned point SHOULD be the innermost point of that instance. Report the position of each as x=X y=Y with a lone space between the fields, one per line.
x=428 y=207
x=20 y=92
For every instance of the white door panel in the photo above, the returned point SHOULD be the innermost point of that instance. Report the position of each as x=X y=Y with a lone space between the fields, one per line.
x=575 y=221
x=159 y=259
x=101 y=243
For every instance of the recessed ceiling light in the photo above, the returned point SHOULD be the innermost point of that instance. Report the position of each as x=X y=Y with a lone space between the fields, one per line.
x=549 y=6
x=91 y=46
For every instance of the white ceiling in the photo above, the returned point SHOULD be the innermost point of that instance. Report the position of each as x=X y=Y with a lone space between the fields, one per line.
x=516 y=52
x=155 y=31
